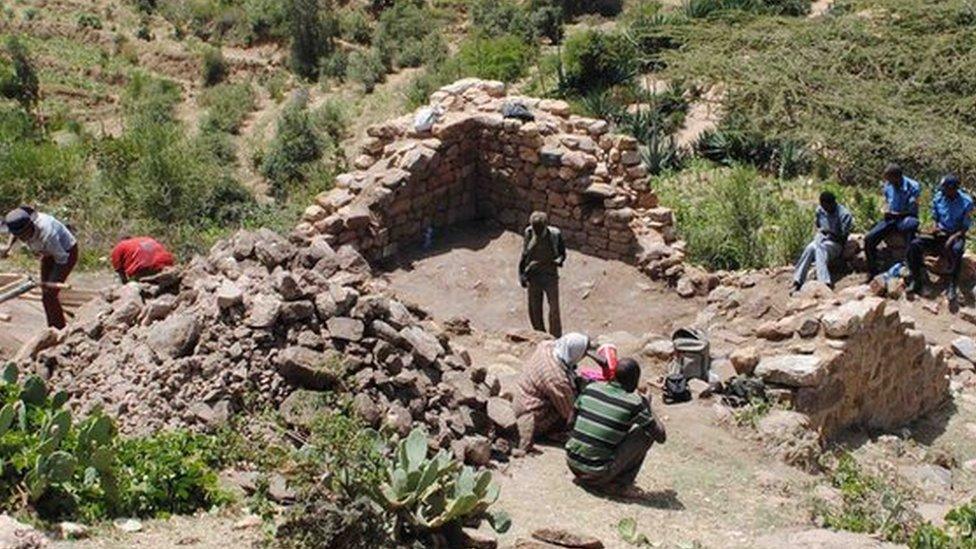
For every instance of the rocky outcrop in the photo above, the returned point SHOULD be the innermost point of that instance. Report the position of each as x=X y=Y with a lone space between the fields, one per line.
x=265 y=321
x=475 y=163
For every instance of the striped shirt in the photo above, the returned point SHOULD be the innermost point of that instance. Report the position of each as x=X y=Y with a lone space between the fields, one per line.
x=545 y=389
x=605 y=413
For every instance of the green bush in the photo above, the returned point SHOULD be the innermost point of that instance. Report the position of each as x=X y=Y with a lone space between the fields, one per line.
x=494 y=18
x=335 y=65
x=296 y=145
x=214 y=67
x=548 y=22
x=869 y=503
x=738 y=220
x=595 y=60
x=64 y=469
x=505 y=58
x=267 y=19
x=331 y=119
x=408 y=35
x=227 y=106
x=89 y=21
x=959 y=531
x=18 y=76
x=365 y=68
x=706 y=8
x=313 y=28
x=354 y=26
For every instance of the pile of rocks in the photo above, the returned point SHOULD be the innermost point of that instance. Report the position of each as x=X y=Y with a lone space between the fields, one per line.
x=845 y=359
x=476 y=163
x=264 y=321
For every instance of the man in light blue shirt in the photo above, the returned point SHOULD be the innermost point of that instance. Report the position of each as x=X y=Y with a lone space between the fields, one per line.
x=833 y=223
x=901 y=213
x=951 y=210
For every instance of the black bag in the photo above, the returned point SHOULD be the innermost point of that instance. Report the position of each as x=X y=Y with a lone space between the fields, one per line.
x=676 y=388
x=743 y=390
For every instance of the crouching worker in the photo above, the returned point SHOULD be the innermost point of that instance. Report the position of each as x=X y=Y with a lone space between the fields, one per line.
x=833 y=223
x=139 y=256
x=613 y=429
x=951 y=210
x=56 y=247
x=546 y=388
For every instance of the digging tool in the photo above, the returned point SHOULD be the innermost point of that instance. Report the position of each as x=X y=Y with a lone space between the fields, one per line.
x=18 y=289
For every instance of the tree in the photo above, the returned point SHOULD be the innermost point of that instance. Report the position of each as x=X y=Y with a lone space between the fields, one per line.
x=312 y=31
x=19 y=79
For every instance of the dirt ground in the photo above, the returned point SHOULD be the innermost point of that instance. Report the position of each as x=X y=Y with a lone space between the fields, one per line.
x=471 y=272
x=202 y=531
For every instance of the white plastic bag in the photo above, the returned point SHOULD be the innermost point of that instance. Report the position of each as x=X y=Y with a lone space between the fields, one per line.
x=426 y=118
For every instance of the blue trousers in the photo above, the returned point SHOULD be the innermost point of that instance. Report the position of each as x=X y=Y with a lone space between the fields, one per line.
x=907 y=226
x=821 y=251
x=921 y=246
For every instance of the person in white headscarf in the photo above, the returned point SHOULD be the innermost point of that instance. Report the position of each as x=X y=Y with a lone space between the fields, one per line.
x=546 y=389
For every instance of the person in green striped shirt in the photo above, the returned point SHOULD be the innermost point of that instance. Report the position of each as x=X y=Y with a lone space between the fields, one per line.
x=613 y=429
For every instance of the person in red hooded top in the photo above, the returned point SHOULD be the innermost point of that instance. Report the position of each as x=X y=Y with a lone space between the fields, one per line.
x=139 y=256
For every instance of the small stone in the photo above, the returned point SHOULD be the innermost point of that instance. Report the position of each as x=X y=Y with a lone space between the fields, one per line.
x=477 y=450
x=565 y=538
x=247 y=522
x=662 y=349
x=348 y=329
x=744 y=359
x=229 y=296
x=500 y=411
x=686 y=287
x=128 y=525
x=72 y=530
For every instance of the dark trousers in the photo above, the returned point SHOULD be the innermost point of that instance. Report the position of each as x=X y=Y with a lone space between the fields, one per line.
x=52 y=272
x=548 y=286
x=935 y=245
x=626 y=463
x=907 y=226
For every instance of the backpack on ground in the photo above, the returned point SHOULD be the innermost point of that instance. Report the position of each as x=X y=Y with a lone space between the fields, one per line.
x=692 y=353
x=676 y=388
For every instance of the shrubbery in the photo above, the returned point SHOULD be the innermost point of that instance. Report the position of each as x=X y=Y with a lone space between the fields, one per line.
x=312 y=32
x=959 y=531
x=366 y=68
x=297 y=147
x=705 y=8
x=736 y=219
x=227 y=105
x=214 y=67
x=595 y=60
x=503 y=58
x=18 y=76
x=408 y=35
x=64 y=469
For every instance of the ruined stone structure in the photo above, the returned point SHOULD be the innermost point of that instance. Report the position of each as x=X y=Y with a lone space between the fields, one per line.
x=475 y=163
x=860 y=364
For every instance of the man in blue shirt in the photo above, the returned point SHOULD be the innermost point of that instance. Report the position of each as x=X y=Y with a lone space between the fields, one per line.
x=833 y=223
x=901 y=213
x=951 y=209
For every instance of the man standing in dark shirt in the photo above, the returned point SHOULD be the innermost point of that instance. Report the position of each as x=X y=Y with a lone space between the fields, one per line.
x=543 y=252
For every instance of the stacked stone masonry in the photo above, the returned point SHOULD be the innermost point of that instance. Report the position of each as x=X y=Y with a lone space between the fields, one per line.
x=864 y=365
x=474 y=163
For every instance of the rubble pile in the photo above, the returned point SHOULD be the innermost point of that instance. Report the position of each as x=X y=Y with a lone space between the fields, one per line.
x=264 y=321
x=476 y=163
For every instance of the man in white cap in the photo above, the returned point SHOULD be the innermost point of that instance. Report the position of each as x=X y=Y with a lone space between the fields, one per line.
x=56 y=247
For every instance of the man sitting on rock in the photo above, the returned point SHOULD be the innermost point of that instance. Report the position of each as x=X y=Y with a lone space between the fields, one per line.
x=613 y=429
x=951 y=210
x=547 y=386
x=543 y=253
x=833 y=223
x=901 y=214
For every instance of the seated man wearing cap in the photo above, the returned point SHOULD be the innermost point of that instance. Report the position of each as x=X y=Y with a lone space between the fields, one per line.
x=54 y=244
x=951 y=209
x=139 y=256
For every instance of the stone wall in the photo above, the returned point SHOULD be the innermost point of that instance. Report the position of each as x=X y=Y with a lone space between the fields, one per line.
x=475 y=163
x=851 y=362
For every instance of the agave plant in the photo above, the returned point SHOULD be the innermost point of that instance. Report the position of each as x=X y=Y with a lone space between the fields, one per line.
x=428 y=494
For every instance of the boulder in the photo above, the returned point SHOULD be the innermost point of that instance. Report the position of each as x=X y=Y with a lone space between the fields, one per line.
x=264 y=311
x=229 y=295
x=965 y=347
x=792 y=370
x=424 y=345
x=272 y=249
x=661 y=349
x=847 y=319
x=308 y=369
x=174 y=337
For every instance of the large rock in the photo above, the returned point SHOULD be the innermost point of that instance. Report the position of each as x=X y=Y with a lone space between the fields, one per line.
x=44 y=339
x=744 y=359
x=793 y=370
x=229 y=295
x=174 y=337
x=847 y=319
x=788 y=435
x=264 y=311
x=965 y=347
x=272 y=249
x=424 y=345
x=309 y=369
x=17 y=535
x=345 y=328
